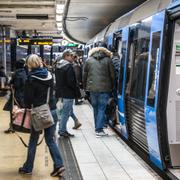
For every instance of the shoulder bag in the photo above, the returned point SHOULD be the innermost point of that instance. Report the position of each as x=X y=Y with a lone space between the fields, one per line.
x=41 y=117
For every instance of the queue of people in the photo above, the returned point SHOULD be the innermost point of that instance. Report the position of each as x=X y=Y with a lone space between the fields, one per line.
x=30 y=85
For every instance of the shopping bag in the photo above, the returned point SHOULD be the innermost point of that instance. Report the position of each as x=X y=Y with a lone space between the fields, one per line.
x=21 y=119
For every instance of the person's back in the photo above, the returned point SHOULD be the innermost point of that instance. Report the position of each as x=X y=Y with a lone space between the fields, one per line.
x=66 y=85
x=98 y=71
x=18 y=81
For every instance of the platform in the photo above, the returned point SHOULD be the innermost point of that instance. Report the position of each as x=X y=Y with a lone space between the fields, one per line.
x=105 y=158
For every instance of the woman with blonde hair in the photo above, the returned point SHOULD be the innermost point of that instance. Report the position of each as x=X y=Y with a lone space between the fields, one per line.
x=36 y=89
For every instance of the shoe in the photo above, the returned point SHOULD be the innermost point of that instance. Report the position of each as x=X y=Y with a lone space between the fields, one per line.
x=101 y=134
x=77 y=125
x=9 y=131
x=79 y=103
x=66 y=134
x=23 y=171
x=58 y=171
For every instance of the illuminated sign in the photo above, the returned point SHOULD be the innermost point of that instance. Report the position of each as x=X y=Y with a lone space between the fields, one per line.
x=72 y=45
x=41 y=41
x=26 y=41
x=5 y=40
x=23 y=41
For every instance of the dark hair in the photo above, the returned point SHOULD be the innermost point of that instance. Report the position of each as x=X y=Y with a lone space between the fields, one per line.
x=102 y=44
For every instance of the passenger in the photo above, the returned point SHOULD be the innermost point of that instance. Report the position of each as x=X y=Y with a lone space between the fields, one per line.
x=67 y=89
x=35 y=95
x=3 y=77
x=99 y=79
x=78 y=73
x=18 y=84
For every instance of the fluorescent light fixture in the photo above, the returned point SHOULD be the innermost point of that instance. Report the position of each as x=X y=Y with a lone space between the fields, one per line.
x=59 y=11
x=58 y=17
x=59 y=28
x=60 y=6
x=59 y=24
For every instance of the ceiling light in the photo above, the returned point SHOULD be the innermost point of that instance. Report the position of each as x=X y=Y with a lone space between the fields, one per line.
x=59 y=11
x=59 y=28
x=58 y=18
x=59 y=24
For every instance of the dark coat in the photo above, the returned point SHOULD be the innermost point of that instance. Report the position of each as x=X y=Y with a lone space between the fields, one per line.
x=66 y=83
x=18 y=84
x=98 y=73
x=36 y=90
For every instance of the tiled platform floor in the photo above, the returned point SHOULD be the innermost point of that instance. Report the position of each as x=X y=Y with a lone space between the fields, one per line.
x=105 y=158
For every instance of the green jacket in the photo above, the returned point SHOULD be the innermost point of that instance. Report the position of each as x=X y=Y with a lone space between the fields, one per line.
x=98 y=75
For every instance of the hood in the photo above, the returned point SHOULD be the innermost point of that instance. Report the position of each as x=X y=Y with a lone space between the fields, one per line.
x=42 y=75
x=100 y=53
x=62 y=63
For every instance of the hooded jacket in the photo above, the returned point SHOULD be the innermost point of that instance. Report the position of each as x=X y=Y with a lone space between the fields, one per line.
x=98 y=73
x=36 y=88
x=66 y=84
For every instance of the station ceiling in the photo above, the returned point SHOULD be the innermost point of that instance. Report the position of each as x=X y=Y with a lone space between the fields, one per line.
x=82 y=18
x=85 y=18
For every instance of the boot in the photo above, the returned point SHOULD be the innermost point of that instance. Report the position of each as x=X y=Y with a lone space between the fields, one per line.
x=77 y=125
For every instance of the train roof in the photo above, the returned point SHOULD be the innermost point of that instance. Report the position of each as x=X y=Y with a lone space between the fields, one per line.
x=143 y=11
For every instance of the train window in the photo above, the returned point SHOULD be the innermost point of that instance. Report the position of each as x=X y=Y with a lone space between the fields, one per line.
x=122 y=63
x=153 y=68
x=138 y=60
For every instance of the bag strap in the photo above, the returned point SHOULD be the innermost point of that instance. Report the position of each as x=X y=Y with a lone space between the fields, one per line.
x=23 y=142
x=48 y=95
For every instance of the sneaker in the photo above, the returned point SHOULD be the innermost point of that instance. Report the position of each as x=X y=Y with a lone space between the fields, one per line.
x=9 y=131
x=58 y=171
x=66 y=134
x=77 y=125
x=23 y=171
x=101 y=134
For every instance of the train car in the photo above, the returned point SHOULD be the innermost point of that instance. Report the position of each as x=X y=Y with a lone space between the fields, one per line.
x=148 y=42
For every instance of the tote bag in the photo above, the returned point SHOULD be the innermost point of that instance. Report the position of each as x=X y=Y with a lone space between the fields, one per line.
x=41 y=117
x=21 y=119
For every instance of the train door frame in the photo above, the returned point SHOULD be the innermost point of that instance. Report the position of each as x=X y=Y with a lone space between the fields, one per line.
x=121 y=82
x=173 y=87
x=151 y=104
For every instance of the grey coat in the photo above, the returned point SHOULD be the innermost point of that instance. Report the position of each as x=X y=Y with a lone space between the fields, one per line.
x=98 y=75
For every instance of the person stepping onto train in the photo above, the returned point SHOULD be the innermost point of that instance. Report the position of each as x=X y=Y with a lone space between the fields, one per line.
x=98 y=79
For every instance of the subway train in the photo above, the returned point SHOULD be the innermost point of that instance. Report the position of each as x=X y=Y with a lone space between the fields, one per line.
x=147 y=40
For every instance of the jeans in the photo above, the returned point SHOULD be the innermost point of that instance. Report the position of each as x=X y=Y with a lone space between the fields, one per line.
x=50 y=141
x=99 y=102
x=67 y=112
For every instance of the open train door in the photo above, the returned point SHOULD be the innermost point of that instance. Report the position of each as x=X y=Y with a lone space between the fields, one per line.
x=121 y=84
x=152 y=89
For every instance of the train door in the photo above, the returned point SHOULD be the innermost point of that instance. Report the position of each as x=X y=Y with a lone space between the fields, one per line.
x=135 y=83
x=152 y=89
x=173 y=102
x=122 y=49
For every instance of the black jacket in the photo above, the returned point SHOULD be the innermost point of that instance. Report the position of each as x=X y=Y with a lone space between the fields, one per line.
x=18 y=83
x=36 y=90
x=66 y=84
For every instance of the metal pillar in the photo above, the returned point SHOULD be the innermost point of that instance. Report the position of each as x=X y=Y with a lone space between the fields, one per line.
x=51 y=55
x=4 y=48
x=13 y=53
x=29 y=49
x=41 y=48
